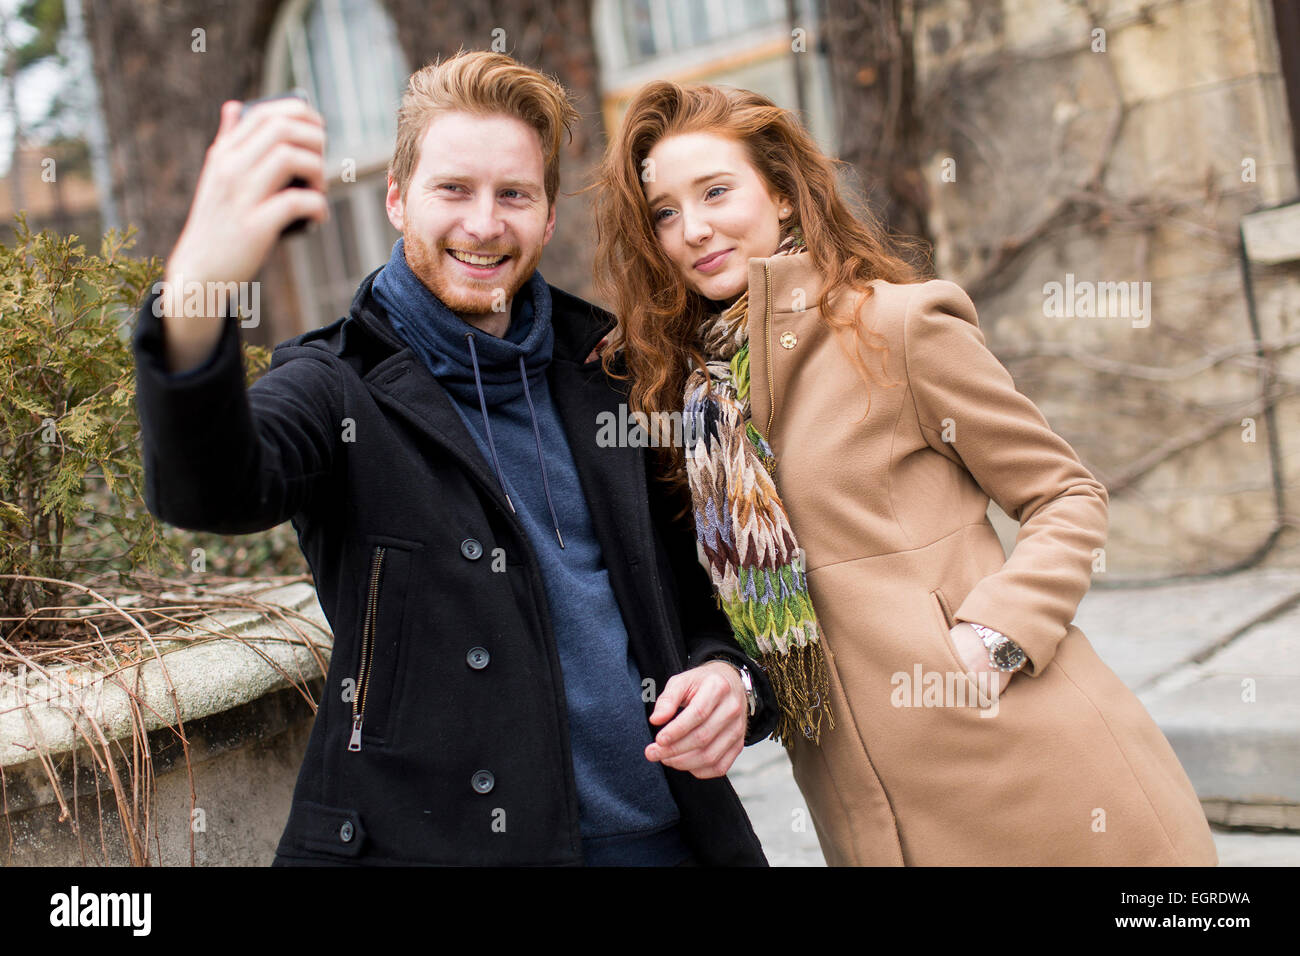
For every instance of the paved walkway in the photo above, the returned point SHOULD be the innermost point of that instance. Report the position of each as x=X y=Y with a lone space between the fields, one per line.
x=1217 y=663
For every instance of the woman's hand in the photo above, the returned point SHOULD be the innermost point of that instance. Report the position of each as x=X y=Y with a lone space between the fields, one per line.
x=976 y=656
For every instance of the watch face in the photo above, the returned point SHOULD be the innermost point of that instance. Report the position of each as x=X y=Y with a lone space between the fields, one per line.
x=1007 y=655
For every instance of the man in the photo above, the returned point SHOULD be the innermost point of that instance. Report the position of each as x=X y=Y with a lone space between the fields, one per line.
x=517 y=616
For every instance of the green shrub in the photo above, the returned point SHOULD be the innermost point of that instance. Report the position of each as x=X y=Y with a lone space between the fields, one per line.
x=71 y=479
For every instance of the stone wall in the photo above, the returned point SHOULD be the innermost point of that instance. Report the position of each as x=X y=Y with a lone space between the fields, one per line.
x=244 y=700
x=1126 y=157
x=245 y=764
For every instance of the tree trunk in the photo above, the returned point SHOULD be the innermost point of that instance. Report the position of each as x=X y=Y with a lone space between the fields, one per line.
x=873 y=72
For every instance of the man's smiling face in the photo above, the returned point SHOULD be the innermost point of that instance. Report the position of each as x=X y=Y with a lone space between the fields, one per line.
x=476 y=217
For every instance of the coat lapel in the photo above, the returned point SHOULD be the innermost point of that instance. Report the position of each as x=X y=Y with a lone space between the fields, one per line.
x=404 y=385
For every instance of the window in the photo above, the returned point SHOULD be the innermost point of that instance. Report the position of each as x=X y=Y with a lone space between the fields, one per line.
x=344 y=54
x=659 y=27
x=730 y=43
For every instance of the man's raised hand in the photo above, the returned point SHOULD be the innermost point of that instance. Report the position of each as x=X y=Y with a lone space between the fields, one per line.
x=241 y=203
x=240 y=206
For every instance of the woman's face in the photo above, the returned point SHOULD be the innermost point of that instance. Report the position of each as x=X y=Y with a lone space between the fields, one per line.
x=711 y=211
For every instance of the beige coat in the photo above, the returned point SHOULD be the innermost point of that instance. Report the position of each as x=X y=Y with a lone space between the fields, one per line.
x=1066 y=767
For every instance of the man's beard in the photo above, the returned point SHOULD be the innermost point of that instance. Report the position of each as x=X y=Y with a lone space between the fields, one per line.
x=462 y=294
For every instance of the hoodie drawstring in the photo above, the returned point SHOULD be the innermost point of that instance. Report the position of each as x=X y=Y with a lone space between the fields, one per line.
x=482 y=404
x=546 y=485
x=537 y=436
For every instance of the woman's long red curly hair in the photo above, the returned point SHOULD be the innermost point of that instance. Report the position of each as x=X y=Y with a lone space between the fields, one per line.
x=658 y=317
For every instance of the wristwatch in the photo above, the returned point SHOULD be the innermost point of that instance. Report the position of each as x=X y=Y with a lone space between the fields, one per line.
x=751 y=698
x=1004 y=653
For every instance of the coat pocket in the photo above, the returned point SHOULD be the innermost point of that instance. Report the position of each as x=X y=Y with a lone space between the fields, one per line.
x=381 y=643
x=315 y=829
x=946 y=623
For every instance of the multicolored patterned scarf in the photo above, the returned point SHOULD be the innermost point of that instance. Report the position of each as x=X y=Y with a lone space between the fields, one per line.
x=744 y=536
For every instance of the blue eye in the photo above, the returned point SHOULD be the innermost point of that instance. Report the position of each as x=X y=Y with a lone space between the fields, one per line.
x=659 y=216
x=709 y=194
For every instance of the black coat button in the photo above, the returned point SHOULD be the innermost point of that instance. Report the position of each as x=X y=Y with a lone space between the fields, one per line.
x=483 y=781
x=345 y=831
x=478 y=658
x=471 y=549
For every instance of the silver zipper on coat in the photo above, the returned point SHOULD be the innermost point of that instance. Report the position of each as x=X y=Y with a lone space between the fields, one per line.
x=367 y=649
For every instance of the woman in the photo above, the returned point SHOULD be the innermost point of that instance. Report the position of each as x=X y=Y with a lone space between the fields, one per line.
x=867 y=397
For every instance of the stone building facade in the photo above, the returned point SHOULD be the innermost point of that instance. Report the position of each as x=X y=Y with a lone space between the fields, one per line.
x=1094 y=149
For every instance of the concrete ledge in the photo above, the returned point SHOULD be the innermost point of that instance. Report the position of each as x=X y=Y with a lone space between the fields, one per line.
x=1233 y=750
x=1263 y=816
x=245 y=762
x=246 y=725
x=1233 y=717
x=210 y=676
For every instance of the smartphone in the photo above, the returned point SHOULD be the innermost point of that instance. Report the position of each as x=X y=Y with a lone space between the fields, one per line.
x=298 y=225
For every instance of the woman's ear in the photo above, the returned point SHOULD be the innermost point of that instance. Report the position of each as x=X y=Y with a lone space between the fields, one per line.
x=784 y=208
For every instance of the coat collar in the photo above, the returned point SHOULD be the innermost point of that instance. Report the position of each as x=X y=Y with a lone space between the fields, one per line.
x=792 y=285
x=793 y=280
x=614 y=479
x=578 y=324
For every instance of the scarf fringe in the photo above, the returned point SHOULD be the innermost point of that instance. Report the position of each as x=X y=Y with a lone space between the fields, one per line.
x=801 y=681
x=795 y=667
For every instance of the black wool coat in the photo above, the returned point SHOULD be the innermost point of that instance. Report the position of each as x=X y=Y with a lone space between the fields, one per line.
x=463 y=754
